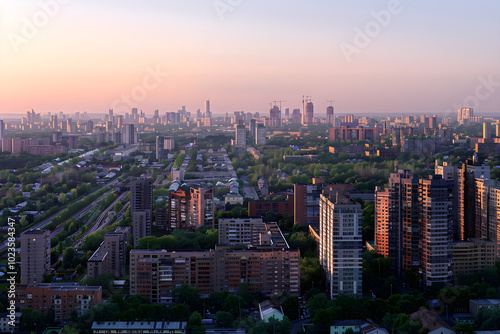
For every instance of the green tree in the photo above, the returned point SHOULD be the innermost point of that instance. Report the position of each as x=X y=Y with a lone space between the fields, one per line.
x=179 y=312
x=224 y=319
x=290 y=306
x=464 y=328
x=488 y=318
x=68 y=256
x=189 y=296
x=195 y=319
x=29 y=317
x=233 y=304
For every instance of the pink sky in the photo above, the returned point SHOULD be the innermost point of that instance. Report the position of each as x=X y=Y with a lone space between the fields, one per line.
x=89 y=54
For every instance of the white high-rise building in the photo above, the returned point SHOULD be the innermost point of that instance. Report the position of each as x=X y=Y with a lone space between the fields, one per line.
x=340 y=246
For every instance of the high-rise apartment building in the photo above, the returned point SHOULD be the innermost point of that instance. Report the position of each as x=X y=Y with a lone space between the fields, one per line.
x=488 y=210
x=467 y=199
x=129 y=134
x=396 y=225
x=169 y=143
x=309 y=113
x=2 y=129
x=208 y=113
x=201 y=207
x=178 y=208
x=190 y=207
x=35 y=256
x=464 y=115
x=275 y=117
x=240 y=135
x=119 y=121
x=340 y=246
x=111 y=255
x=90 y=126
x=260 y=134
x=450 y=172
x=53 y=122
x=160 y=147
x=141 y=207
x=253 y=127
x=330 y=116
x=436 y=229
x=296 y=116
x=306 y=200
x=382 y=205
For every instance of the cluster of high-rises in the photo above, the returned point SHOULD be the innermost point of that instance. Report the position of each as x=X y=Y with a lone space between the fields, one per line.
x=190 y=207
x=336 y=222
x=422 y=224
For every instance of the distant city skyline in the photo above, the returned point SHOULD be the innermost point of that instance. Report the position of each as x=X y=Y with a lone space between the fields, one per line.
x=382 y=57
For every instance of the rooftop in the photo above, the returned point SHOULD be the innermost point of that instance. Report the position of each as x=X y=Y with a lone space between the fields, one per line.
x=142 y=325
x=65 y=287
x=486 y=302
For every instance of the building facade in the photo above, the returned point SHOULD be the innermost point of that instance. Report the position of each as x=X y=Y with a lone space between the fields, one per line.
x=63 y=298
x=436 y=228
x=35 y=256
x=472 y=256
x=141 y=207
x=340 y=247
x=111 y=255
x=272 y=271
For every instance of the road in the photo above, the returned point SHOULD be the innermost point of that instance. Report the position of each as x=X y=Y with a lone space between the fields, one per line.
x=248 y=190
x=99 y=224
x=48 y=220
x=81 y=213
x=160 y=178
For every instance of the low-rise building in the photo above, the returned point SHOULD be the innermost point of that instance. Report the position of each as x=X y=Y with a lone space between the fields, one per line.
x=476 y=304
x=233 y=199
x=5 y=327
x=268 y=311
x=138 y=327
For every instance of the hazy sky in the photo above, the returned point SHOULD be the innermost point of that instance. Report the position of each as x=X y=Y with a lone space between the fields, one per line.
x=90 y=55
